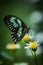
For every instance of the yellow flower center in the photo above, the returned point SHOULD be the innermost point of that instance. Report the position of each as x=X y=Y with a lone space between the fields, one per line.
x=33 y=45
x=12 y=46
x=26 y=38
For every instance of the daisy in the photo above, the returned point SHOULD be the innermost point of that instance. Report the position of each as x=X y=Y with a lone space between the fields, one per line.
x=12 y=46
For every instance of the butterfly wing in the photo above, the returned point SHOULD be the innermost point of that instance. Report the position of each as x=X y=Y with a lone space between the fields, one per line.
x=16 y=26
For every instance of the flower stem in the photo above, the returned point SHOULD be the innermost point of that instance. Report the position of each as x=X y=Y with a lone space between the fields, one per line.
x=35 y=58
x=14 y=55
x=34 y=55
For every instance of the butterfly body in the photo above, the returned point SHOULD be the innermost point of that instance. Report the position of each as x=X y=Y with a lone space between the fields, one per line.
x=16 y=26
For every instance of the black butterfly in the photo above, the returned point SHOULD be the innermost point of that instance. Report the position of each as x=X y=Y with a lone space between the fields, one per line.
x=17 y=27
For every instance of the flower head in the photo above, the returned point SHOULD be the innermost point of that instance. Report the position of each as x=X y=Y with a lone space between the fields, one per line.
x=33 y=45
x=27 y=38
x=13 y=46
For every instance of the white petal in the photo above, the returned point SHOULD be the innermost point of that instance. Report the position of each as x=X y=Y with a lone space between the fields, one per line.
x=38 y=44
x=27 y=44
x=8 y=46
x=17 y=46
x=26 y=47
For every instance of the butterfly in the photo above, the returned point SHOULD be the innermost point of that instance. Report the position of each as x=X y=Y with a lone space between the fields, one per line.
x=16 y=26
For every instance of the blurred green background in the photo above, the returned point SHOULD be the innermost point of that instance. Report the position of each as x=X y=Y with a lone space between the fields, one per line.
x=30 y=11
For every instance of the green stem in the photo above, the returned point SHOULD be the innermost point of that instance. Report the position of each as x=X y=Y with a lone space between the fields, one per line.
x=35 y=58
x=34 y=55
x=14 y=55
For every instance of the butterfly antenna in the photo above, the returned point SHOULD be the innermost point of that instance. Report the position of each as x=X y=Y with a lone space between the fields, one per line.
x=29 y=27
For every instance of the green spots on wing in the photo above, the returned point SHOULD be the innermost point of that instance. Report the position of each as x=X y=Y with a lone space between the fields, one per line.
x=19 y=32
x=19 y=22
x=12 y=20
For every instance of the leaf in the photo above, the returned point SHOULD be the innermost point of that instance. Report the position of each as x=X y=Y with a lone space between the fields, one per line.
x=7 y=55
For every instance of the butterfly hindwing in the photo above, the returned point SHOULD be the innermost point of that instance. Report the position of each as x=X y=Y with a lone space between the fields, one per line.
x=16 y=26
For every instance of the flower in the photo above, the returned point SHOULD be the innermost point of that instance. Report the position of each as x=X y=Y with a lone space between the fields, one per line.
x=27 y=38
x=33 y=45
x=13 y=46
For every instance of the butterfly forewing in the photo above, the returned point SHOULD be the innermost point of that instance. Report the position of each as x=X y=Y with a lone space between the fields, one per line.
x=17 y=26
